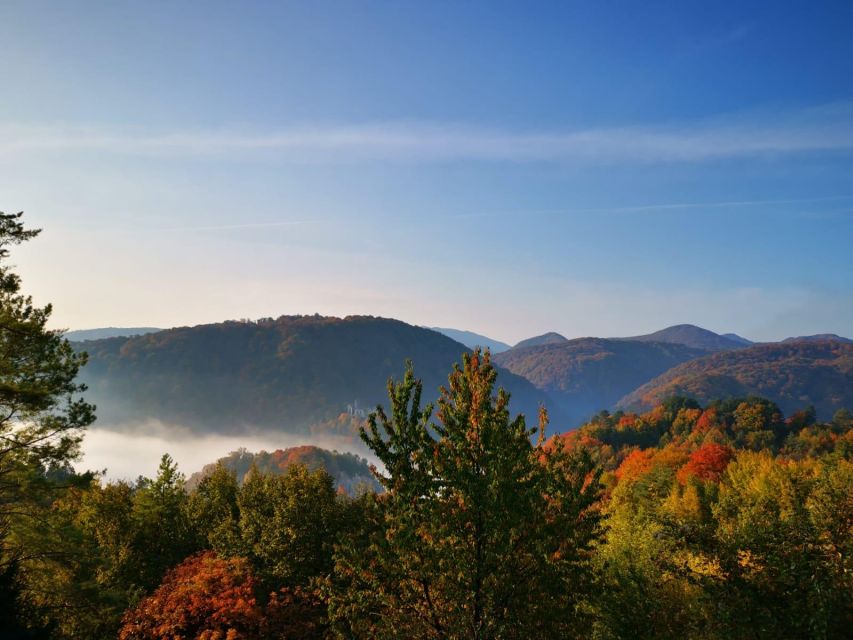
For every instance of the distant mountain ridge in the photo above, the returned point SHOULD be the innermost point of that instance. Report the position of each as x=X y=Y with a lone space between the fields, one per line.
x=546 y=338
x=819 y=337
x=473 y=340
x=793 y=374
x=692 y=336
x=80 y=335
x=585 y=375
x=287 y=374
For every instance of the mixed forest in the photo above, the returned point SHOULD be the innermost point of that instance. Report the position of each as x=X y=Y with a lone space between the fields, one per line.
x=726 y=519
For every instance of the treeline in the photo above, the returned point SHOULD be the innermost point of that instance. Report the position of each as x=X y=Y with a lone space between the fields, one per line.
x=723 y=521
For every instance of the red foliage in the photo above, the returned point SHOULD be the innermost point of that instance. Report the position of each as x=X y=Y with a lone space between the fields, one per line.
x=706 y=463
x=211 y=598
x=706 y=421
x=205 y=597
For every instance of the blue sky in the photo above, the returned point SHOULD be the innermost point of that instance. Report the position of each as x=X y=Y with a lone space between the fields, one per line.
x=509 y=168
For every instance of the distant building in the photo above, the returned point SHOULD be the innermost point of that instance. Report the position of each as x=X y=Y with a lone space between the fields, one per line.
x=354 y=410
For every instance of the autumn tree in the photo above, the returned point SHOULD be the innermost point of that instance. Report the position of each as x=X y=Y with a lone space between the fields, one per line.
x=480 y=534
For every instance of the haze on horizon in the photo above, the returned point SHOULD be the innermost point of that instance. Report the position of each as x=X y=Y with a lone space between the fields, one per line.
x=588 y=170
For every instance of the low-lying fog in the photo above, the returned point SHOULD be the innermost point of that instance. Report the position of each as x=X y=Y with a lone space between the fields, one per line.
x=127 y=454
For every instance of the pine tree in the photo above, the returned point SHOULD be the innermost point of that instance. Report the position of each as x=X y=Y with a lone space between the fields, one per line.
x=41 y=414
x=481 y=533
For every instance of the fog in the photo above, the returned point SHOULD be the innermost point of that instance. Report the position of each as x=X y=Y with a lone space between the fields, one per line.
x=126 y=454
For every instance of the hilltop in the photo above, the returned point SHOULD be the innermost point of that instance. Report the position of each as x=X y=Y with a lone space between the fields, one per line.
x=285 y=374
x=351 y=472
x=791 y=374
x=546 y=338
x=586 y=375
x=81 y=335
x=692 y=336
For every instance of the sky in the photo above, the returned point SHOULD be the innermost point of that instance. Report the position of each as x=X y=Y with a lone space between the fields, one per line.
x=509 y=168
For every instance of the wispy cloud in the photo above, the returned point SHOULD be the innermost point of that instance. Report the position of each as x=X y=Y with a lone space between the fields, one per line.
x=824 y=129
x=665 y=206
x=247 y=225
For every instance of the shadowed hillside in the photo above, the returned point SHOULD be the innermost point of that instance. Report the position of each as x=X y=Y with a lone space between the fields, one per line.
x=284 y=374
x=791 y=374
x=586 y=375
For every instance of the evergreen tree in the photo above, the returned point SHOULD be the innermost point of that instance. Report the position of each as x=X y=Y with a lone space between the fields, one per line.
x=481 y=533
x=41 y=413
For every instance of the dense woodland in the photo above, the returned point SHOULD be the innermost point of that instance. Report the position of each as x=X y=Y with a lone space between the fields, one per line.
x=813 y=371
x=291 y=373
x=728 y=520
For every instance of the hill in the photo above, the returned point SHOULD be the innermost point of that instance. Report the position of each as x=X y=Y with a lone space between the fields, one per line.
x=537 y=341
x=473 y=340
x=286 y=374
x=791 y=374
x=819 y=337
x=691 y=336
x=108 y=332
x=351 y=473
x=737 y=338
x=585 y=375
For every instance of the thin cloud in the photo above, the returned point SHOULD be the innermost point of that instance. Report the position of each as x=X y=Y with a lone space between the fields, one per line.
x=246 y=225
x=725 y=204
x=824 y=129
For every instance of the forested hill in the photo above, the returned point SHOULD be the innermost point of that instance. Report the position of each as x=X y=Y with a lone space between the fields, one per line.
x=791 y=374
x=690 y=335
x=351 y=472
x=285 y=374
x=586 y=375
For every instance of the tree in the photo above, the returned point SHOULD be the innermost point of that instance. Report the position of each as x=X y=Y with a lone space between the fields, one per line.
x=289 y=524
x=481 y=533
x=205 y=597
x=165 y=535
x=41 y=414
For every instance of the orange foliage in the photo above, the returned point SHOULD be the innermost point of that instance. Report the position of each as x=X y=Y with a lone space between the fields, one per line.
x=627 y=421
x=706 y=463
x=706 y=421
x=205 y=597
x=211 y=598
x=638 y=462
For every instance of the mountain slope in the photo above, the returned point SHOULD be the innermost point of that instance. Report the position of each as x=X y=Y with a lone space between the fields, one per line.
x=473 y=340
x=546 y=338
x=691 y=336
x=108 y=332
x=791 y=374
x=586 y=375
x=350 y=471
x=819 y=337
x=286 y=374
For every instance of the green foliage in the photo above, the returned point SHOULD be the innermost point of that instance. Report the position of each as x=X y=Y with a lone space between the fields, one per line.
x=41 y=421
x=350 y=472
x=480 y=534
x=288 y=373
x=289 y=523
